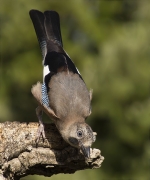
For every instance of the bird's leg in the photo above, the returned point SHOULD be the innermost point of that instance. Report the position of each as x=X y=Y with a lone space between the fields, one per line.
x=40 y=131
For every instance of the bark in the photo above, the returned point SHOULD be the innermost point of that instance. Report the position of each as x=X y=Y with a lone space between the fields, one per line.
x=21 y=156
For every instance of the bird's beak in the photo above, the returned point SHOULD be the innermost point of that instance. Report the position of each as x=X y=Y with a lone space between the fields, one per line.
x=86 y=151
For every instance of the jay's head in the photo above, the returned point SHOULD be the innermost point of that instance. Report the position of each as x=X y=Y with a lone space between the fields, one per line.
x=81 y=136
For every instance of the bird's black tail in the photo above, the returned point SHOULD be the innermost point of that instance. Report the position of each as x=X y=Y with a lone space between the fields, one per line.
x=37 y=18
x=52 y=26
x=47 y=28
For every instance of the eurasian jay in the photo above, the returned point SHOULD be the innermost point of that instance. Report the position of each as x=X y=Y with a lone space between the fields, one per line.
x=63 y=94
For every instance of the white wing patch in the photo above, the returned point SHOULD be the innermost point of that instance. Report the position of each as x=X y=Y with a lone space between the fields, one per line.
x=45 y=71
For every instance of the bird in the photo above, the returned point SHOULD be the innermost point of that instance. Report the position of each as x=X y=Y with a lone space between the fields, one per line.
x=63 y=95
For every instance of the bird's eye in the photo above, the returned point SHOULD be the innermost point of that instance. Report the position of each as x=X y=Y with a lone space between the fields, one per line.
x=79 y=133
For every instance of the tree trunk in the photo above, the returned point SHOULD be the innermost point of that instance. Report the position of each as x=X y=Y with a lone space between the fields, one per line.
x=21 y=156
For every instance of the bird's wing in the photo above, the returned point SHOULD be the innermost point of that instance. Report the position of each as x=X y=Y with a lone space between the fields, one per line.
x=36 y=91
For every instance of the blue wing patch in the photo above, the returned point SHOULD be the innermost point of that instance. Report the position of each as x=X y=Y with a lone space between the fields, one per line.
x=45 y=99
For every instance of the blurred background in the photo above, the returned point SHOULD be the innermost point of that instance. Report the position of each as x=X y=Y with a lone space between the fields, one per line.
x=109 y=41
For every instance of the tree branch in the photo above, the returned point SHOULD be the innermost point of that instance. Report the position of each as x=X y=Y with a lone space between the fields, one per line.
x=20 y=156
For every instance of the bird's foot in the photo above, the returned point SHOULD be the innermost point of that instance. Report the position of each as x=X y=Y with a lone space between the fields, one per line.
x=40 y=132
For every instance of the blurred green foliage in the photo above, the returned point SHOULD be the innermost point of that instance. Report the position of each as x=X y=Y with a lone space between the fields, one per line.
x=109 y=42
